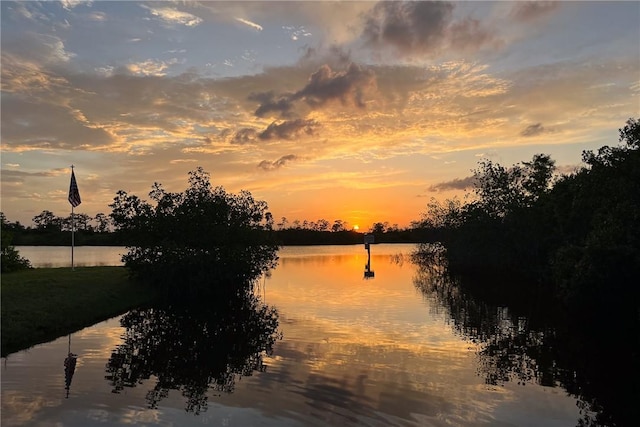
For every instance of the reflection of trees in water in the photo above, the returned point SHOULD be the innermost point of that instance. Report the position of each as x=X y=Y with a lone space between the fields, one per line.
x=532 y=343
x=510 y=350
x=193 y=350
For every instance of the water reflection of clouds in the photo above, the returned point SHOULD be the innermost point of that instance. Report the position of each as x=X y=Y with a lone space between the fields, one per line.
x=22 y=407
x=329 y=332
x=375 y=337
x=399 y=383
x=99 y=339
x=354 y=352
x=142 y=416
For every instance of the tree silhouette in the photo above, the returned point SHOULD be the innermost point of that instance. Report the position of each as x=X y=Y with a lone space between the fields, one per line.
x=201 y=238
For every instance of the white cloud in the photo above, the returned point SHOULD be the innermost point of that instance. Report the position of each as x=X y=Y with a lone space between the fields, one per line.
x=70 y=4
x=173 y=16
x=97 y=16
x=296 y=32
x=37 y=49
x=21 y=10
x=250 y=24
x=105 y=71
x=59 y=52
x=149 y=67
x=176 y=161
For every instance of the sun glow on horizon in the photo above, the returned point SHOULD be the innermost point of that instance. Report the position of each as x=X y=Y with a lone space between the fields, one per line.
x=356 y=227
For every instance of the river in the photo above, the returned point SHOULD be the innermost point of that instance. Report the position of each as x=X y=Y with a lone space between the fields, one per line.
x=351 y=350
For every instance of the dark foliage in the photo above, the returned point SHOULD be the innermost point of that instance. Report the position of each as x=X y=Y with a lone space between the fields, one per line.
x=194 y=349
x=196 y=241
x=596 y=256
x=10 y=258
x=578 y=238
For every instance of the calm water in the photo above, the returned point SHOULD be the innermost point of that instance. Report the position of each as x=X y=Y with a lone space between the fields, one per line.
x=83 y=256
x=374 y=352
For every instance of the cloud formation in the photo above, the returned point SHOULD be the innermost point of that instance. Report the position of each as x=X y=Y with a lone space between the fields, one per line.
x=266 y=165
x=423 y=27
x=455 y=184
x=533 y=130
x=288 y=129
x=9 y=175
x=270 y=102
x=70 y=4
x=173 y=16
x=349 y=87
x=150 y=67
x=527 y=11
x=250 y=24
x=244 y=136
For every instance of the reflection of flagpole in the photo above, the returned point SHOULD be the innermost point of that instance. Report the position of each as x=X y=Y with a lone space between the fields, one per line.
x=69 y=368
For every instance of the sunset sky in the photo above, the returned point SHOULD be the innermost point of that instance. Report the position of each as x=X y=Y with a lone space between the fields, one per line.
x=359 y=111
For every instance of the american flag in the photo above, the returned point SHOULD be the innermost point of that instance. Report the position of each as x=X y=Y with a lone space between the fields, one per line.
x=74 y=194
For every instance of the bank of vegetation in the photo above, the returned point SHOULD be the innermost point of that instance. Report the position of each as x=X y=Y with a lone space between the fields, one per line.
x=575 y=237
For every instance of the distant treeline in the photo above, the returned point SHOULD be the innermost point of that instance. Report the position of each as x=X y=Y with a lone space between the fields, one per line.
x=61 y=236
x=50 y=230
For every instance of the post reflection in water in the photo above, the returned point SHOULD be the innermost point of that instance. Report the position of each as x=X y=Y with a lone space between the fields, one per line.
x=368 y=273
x=193 y=349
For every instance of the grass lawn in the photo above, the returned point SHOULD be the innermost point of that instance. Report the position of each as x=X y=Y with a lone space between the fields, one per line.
x=42 y=304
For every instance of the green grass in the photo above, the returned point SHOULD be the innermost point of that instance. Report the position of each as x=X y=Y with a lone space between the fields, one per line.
x=42 y=304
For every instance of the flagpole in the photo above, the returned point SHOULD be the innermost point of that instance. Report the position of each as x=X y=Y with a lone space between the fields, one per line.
x=73 y=226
